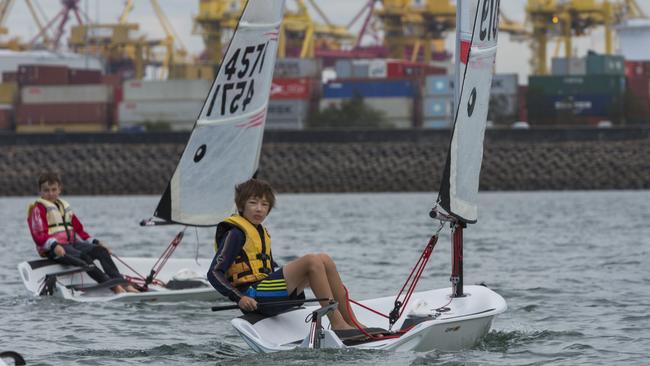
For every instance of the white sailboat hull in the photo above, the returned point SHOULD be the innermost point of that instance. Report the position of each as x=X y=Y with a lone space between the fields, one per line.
x=33 y=273
x=466 y=322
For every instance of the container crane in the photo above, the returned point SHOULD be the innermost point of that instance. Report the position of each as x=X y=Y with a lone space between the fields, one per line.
x=15 y=43
x=117 y=43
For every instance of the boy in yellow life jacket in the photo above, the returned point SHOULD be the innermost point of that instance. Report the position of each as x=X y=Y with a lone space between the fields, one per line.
x=60 y=236
x=243 y=268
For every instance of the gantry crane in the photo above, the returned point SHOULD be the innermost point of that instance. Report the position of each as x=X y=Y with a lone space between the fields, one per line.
x=300 y=35
x=116 y=43
x=15 y=43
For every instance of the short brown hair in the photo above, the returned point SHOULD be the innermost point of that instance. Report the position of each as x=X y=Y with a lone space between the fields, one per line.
x=253 y=188
x=49 y=177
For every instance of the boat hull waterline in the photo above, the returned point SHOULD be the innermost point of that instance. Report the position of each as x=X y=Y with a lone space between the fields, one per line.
x=465 y=321
x=33 y=273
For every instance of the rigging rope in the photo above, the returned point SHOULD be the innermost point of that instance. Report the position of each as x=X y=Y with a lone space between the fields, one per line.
x=399 y=307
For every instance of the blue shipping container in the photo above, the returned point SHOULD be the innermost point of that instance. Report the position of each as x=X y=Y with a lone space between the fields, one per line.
x=584 y=105
x=375 y=88
x=438 y=106
x=439 y=85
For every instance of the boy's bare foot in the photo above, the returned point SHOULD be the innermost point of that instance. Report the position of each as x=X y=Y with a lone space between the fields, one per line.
x=118 y=289
x=130 y=288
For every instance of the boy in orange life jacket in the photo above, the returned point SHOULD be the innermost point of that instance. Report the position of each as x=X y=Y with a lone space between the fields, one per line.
x=60 y=236
x=243 y=268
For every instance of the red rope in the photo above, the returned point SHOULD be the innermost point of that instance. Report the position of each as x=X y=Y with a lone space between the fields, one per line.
x=415 y=274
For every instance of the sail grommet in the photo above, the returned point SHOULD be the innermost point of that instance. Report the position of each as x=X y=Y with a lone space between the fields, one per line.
x=200 y=153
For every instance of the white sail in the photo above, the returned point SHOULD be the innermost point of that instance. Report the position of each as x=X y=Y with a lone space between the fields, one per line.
x=225 y=144
x=477 y=34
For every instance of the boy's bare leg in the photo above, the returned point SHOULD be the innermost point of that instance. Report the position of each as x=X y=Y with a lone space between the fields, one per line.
x=338 y=289
x=311 y=267
x=118 y=289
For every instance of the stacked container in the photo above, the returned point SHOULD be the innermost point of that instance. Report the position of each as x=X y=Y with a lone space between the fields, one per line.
x=638 y=91
x=162 y=104
x=438 y=101
x=8 y=97
x=583 y=100
x=49 y=103
x=394 y=98
x=569 y=66
x=384 y=68
x=294 y=93
x=504 y=99
x=69 y=108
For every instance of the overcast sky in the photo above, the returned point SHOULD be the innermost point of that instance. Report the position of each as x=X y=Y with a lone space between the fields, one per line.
x=511 y=57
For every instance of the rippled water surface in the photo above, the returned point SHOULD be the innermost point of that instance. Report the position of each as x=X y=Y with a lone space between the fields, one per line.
x=573 y=267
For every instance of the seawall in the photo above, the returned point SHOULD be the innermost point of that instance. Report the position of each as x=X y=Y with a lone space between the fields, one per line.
x=338 y=161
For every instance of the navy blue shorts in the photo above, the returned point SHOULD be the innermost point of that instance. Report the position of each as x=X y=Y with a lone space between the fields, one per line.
x=271 y=289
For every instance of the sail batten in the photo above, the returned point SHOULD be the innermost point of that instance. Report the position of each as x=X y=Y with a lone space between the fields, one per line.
x=477 y=34
x=224 y=146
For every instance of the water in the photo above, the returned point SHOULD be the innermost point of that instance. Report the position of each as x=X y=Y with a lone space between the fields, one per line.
x=571 y=265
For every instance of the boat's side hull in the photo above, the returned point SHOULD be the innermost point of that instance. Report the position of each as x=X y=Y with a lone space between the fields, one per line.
x=463 y=325
x=33 y=273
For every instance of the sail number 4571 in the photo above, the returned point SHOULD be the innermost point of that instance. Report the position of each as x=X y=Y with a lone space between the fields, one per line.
x=239 y=88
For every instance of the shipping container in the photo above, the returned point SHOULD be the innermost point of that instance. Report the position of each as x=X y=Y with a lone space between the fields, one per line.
x=178 y=114
x=99 y=93
x=59 y=113
x=42 y=75
x=288 y=110
x=299 y=88
x=84 y=76
x=393 y=108
x=166 y=90
x=88 y=127
x=605 y=64
x=569 y=85
x=568 y=66
x=639 y=86
x=377 y=88
x=503 y=106
x=383 y=68
x=432 y=123
x=281 y=124
x=439 y=85
x=577 y=105
x=504 y=84
x=297 y=68
x=8 y=92
x=637 y=68
x=6 y=117
x=9 y=77
x=522 y=111
x=437 y=106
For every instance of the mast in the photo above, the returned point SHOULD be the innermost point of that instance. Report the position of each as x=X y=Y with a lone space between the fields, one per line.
x=476 y=42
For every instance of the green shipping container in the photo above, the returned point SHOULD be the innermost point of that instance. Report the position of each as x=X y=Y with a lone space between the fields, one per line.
x=605 y=65
x=576 y=84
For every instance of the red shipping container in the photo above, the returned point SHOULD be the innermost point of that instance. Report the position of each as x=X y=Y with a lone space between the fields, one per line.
x=34 y=114
x=522 y=103
x=401 y=69
x=637 y=68
x=9 y=76
x=113 y=79
x=84 y=76
x=302 y=88
x=639 y=86
x=42 y=75
x=6 y=119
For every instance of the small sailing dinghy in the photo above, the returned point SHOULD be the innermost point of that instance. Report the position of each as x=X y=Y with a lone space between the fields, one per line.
x=223 y=150
x=444 y=319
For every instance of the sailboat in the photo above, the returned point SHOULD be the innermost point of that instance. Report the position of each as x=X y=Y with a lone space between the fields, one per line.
x=444 y=319
x=223 y=150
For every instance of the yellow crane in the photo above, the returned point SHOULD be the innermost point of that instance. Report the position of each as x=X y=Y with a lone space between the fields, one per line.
x=217 y=18
x=15 y=43
x=116 y=42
